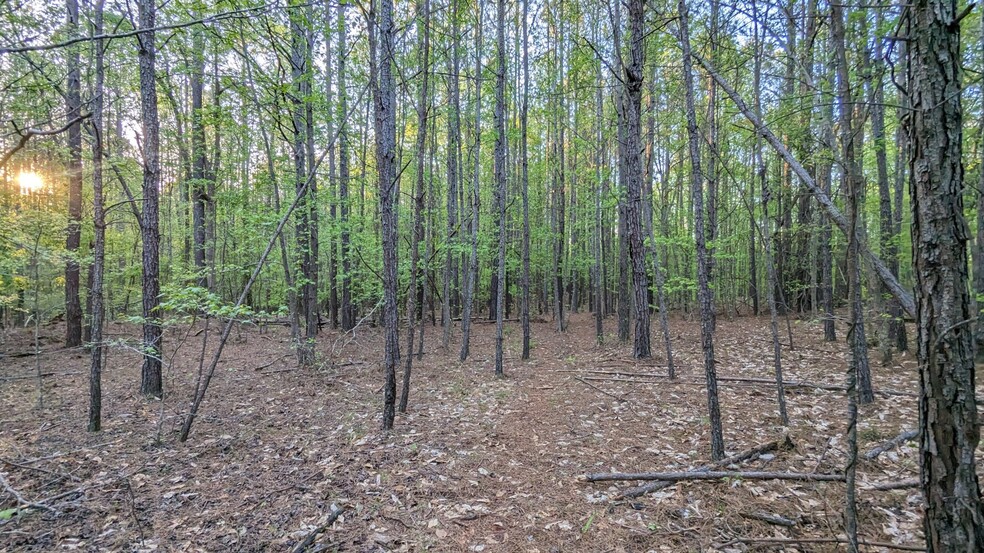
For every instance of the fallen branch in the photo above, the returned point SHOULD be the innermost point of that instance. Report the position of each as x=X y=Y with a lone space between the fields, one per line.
x=309 y=539
x=21 y=501
x=900 y=485
x=771 y=518
x=793 y=541
x=615 y=373
x=713 y=475
x=35 y=376
x=805 y=384
x=609 y=394
x=781 y=444
x=891 y=444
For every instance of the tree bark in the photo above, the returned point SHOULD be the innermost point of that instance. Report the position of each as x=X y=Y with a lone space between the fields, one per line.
x=99 y=228
x=382 y=32
x=418 y=202
x=500 y=176
x=73 y=109
x=703 y=286
x=949 y=429
x=150 y=383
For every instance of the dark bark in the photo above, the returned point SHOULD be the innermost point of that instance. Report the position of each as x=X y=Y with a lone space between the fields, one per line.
x=418 y=203
x=99 y=229
x=854 y=183
x=524 y=308
x=347 y=308
x=198 y=155
x=73 y=109
x=949 y=429
x=631 y=111
x=770 y=267
x=472 y=279
x=703 y=286
x=382 y=33
x=150 y=381
x=452 y=238
x=500 y=175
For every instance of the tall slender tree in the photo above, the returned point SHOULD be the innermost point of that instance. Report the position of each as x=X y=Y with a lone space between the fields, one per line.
x=98 y=224
x=73 y=111
x=150 y=382
x=500 y=176
x=703 y=286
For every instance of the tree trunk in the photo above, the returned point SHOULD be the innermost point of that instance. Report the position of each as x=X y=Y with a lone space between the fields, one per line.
x=453 y=154
x=854 y=186
x=382 y=32
x=472 y=280
x=73 y=109
x=347 y=308
x=99 y=228
x=524 y=309
x=949 y=430
x=418 y=202
x=199 y=190
x=703 y=286
x=150 y=382
x=500 y=175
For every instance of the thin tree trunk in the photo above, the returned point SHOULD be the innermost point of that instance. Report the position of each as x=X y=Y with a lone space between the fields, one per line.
x=347 y=308
x=853 y=180
x=198 y=195
x=73 y=109
x=472 y=280
x=500 y=176
x=771 y=284
x=453 y=235
x=524 y=309
x=418 y=203
x=703 y=286
x=99 y=228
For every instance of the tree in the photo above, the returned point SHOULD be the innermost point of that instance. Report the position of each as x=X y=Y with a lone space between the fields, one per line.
x=948 y=426
x=703 y=286
x=99 y=227
x=524 y=308
x=382 y=31
x=150 y=383
x=471 y=280
x=73 y=111
x=500 y=175
x=630 y=113
x=423 y=105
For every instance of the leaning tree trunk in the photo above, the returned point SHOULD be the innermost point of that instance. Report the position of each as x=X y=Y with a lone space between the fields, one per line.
x=949 y=430
x=703 y=286
x=150 y=380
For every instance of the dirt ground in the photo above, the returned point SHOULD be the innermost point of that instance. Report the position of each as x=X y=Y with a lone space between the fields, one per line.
x=477 y=464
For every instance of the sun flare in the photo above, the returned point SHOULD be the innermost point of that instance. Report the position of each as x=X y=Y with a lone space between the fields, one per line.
x=30 y=182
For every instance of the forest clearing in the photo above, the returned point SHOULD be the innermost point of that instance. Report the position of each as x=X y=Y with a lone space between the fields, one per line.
x=451 y=275
x=475 y=464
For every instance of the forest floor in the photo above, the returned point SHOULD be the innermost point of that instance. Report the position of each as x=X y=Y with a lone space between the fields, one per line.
x=477 y=464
